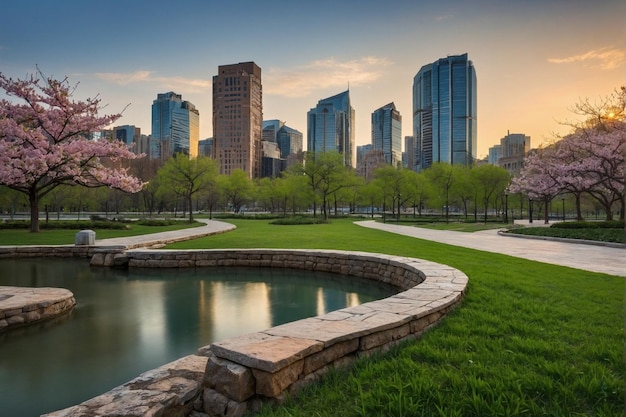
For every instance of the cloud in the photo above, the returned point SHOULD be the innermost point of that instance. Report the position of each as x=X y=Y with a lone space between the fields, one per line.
x=178 y=84
x=605 y=58
x=323 y=74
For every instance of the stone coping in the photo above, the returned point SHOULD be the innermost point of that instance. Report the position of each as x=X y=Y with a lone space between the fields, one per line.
x=243 y=372
x=20 y=306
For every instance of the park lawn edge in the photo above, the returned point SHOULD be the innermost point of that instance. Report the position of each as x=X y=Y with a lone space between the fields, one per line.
x=529 y=338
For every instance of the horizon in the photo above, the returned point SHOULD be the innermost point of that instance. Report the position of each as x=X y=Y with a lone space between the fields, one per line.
x=533 y=61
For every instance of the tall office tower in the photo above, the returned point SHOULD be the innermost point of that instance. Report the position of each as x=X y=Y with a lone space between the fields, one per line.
x=238 y=118
x=408 y=156
x=330 y=126
x=363 y=150
x=205 y=147
x=444 y=112
x=514 y=147
x=175 y=127
x=289 y=141
x=368 y=161
x=495 y=153
x=270 y=129
x=128 y=134
x=387 y=133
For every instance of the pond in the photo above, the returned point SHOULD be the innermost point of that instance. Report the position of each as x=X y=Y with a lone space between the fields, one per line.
x=129 y=321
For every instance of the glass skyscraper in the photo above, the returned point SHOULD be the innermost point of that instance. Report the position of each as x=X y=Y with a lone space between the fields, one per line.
x=387 y=133
x=444 y=112
x=330 y=127
x=175 y=127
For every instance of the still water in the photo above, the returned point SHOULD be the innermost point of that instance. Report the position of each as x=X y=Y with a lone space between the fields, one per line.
x=127 y=322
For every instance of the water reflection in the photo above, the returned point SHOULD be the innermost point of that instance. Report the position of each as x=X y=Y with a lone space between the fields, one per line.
x=126 y=322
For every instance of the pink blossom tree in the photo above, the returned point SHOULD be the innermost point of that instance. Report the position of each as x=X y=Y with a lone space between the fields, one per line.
x=44 y=142
x=589 y=160
x=536 y=179
x=597 y=161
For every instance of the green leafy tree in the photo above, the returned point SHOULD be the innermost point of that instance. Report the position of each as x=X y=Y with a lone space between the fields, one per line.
x=326 y=174
x=417 y=190
x=371 y=195
x=492 y=181
x=464 y=189
x=295 y=190
x=186 y=177
x=238 y=189
x=392 y=182
x=441 y=176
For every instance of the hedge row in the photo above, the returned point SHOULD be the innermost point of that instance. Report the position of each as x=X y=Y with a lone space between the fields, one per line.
x=613 y=224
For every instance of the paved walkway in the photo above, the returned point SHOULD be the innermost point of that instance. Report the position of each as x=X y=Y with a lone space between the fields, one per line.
x=212 y=227
x=608 y=260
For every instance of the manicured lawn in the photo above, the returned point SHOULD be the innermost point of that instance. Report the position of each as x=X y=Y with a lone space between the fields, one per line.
x=529 y=339
x=9 y=237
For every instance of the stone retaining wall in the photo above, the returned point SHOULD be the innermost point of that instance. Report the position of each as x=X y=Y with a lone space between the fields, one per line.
x=234 y=376
x=57 y=251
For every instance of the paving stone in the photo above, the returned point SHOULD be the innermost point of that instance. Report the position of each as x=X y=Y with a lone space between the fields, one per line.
x=264 y=351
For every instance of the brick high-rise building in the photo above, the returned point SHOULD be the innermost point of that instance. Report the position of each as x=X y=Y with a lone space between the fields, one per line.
x=238 y=118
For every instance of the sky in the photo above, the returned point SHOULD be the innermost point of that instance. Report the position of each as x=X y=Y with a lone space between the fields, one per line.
x=534 y=59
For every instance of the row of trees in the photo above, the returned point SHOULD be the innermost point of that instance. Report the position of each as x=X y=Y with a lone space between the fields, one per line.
x=322 y=184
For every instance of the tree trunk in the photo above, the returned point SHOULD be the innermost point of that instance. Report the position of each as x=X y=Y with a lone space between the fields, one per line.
x=33 y=197
x=190 y=202
x=579 y=213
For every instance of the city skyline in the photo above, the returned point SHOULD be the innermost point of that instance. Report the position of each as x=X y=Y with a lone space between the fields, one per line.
x=534 y=60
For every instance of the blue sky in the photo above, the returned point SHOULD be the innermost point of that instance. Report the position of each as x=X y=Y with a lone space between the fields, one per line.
x=534 y=59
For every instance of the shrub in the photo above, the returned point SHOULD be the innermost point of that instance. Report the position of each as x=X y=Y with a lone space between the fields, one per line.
x=612 y=224
x=296 y=220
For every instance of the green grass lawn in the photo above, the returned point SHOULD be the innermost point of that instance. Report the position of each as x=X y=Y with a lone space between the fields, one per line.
x=9 y=237
x=529 y=339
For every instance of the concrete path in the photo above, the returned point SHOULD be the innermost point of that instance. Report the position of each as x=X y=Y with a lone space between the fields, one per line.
x=212 y=227
x=608 y=260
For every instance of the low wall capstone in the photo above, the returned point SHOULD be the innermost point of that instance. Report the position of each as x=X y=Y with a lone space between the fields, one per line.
x=235 y=376
x=21 y=306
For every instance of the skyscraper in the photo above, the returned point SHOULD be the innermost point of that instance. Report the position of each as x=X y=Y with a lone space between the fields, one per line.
x=130 y=135
x=330 y=127
x=289 y=141
x=175 y=127
x=444 y=112
x=238 y=118
x=387 y=133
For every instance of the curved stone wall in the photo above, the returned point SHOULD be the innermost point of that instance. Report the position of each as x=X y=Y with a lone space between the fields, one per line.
x=20 y=306
x=234 y=376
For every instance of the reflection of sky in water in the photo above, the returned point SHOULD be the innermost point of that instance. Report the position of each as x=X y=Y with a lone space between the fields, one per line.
x=128 y=322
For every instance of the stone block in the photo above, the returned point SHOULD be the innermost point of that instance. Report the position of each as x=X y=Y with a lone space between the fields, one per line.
x=214 y=403
x=85 y=237
x=384 y=337
x=273 y=384
x=318 y=360
x=264 y=351
x=229 y=378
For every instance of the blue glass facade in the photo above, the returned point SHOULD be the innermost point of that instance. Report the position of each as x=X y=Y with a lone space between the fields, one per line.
x=387 y=133
x=175 y=126
x=330 y=126
x=444 y=112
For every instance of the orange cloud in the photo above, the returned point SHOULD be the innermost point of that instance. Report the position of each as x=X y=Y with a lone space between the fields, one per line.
x=322 y=74
x=605 y=58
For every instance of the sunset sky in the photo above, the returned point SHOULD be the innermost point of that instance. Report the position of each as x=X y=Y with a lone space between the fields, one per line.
x=534 y=59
